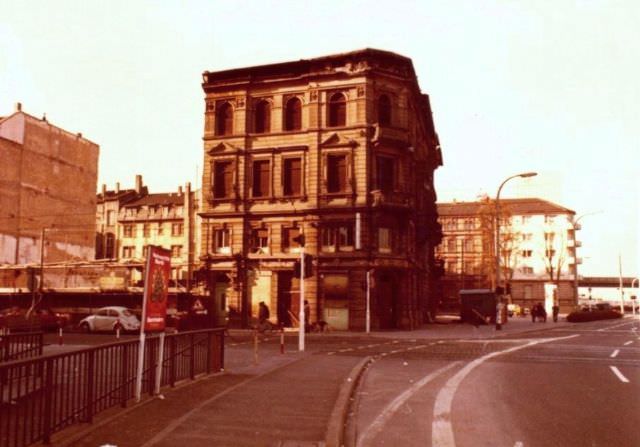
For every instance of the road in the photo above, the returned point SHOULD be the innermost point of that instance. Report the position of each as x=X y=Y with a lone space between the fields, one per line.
x=571 y=387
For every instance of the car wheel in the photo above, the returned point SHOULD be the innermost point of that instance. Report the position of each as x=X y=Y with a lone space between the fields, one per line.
x=84 y=327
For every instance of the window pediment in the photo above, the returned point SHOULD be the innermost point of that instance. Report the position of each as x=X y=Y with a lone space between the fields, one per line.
x=336 y=140
x=224 y=147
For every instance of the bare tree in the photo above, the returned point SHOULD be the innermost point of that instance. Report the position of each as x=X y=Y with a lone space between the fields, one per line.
x=554 y=255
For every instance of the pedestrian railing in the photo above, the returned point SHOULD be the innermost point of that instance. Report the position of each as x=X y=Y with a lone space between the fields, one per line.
x=41 y=396
x=20 y=345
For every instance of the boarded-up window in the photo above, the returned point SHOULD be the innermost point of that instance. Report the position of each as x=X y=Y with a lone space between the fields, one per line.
x=292 y=176
x=293 y=114
x=384 y=110
x=224 y=119
x=385 y=174
x=335 y=287
x=261 y=178
x=336 y=173
x=263 y=117
x=385 y=243
x=222 y=179
x=337 y=110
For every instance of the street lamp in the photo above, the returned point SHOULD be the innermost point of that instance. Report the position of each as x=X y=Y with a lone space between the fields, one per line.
x=497 y=244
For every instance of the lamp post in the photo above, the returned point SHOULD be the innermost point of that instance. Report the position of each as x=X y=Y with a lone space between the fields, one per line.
x=497 y=243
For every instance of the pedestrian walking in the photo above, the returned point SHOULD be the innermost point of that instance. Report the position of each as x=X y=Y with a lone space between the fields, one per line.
x=556 y=311
x=263 y=313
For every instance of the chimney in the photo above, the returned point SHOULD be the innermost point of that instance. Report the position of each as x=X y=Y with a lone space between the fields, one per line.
x=138 y=184
x=117 y=187
x=104 y=190
x=18 y=107
x=179 y=190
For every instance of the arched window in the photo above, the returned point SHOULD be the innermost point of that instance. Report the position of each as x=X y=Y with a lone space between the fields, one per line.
x=263 y=117
x=224 y=119
x=293 y=114
x=384 y=110
x=337 y=110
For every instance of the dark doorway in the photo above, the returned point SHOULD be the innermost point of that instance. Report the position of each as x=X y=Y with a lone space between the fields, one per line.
x=386 y=301
x=288 y=297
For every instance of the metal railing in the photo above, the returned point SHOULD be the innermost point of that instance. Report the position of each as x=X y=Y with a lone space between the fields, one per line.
x=41 y=396
x=21 y=345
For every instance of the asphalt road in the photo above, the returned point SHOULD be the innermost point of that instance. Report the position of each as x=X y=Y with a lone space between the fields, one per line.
x=576 y=386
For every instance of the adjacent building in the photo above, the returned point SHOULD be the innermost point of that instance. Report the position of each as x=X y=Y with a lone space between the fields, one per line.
x=130 y=220
x=334 y=156
x=47 y=192
x=537 y=248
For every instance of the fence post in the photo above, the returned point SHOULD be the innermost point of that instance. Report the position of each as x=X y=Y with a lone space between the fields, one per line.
x=210 y=341
x=48 y=391
x=90 y=384
x=151 y=358
x=123 y=376
x=174 y=360
x=192 y=360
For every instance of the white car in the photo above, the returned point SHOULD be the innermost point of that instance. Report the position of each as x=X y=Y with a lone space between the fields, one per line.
x=107 y=318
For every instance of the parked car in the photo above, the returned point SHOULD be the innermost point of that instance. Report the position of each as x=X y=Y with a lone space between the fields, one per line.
x=43 y=319
x=107 y=319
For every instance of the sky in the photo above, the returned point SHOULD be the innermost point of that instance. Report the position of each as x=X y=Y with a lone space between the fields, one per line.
x=550 y=86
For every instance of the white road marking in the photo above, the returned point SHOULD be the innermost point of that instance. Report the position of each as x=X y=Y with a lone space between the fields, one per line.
x=628 y=343
x=369 y=433
x=615 y=353
x=620 y=376
x=442 y=430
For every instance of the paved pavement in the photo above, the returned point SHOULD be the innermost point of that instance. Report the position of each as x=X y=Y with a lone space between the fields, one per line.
x=291 y=399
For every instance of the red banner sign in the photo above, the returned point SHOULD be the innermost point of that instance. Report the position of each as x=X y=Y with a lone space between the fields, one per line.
x=156 y=287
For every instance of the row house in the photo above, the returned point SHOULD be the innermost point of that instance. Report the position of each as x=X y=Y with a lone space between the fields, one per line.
x=537 y=250
x=341 y=150
x=129 y=221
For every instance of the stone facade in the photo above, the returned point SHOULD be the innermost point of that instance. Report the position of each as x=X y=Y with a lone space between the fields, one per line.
x=341 y=149
x=47 y=187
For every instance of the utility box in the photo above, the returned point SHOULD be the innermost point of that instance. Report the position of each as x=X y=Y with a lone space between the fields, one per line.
x=477 y=305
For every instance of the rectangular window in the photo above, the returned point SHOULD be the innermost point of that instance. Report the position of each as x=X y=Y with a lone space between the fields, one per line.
x=176 y=229
x=129 y=231
x=385 y=174
x=288 y=242
x=145 y=251
x=128 y=251
x=451 y=244
x=160 y=229
x=336 y=173
x=338 y=237
x=468 y=245
x=261 y=178
x=111 y=218
x=526 y=253
x=292 y=176
x=385 y=243
x=146 y=231
x=222 y=241
x=549 y=237
x=176 y=251
x=222 y=179
x=527 y=271
x=550 y=253
x=260 y=240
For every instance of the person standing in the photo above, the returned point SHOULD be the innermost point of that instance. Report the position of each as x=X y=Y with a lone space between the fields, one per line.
x=263 y=313
x=556 y=311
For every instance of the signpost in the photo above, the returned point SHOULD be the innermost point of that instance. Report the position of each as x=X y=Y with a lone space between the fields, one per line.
x=154 y=308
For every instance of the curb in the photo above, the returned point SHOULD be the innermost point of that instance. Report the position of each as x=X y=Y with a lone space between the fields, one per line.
x=334 y=436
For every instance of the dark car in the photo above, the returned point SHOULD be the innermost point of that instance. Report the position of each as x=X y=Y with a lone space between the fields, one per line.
x=20 y=320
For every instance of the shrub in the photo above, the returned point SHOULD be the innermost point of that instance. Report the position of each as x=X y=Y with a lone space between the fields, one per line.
x=581 y=317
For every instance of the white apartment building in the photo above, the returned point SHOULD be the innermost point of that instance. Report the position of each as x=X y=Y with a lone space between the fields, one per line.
x=538 y=250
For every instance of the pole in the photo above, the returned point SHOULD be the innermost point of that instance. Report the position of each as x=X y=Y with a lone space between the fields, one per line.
x=368 y=310
x=159 y=364
x=301 y=313
x=621 y=285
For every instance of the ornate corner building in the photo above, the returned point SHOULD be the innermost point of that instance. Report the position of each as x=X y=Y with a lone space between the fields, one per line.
x=342 y=150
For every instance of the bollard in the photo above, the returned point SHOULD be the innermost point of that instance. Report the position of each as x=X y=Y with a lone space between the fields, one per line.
x=281 y=339
x=60 y=342
x=255 y=347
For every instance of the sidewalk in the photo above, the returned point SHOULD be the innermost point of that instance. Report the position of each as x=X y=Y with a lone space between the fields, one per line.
x=311 y=392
